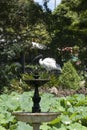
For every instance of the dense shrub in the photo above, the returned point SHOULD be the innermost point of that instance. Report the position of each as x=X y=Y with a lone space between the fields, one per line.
x=69 y=77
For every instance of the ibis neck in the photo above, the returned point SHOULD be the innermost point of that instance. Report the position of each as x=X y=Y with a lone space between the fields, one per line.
x=40 y=61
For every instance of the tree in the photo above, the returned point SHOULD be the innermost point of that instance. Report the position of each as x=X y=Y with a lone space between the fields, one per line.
x=70 y=25
x=17 y=20
x=79 y=26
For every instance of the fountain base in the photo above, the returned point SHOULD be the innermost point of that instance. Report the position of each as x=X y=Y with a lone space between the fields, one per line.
x=35 y=118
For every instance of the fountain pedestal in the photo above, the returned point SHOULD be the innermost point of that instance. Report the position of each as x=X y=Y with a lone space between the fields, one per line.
x=36 y=126
x=36 y=117
x=36 y=97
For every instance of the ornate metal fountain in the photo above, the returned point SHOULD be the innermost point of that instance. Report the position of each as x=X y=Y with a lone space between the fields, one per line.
x=36 y=117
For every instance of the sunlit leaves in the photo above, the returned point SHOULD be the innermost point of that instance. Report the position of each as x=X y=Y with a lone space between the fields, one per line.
x=22 y=126
x=72 y=111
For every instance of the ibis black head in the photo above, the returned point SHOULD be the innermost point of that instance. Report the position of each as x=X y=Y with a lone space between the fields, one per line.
x=36 y=59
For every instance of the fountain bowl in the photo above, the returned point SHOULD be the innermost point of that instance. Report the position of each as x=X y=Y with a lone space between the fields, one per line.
x=35 y=117
x=38 y=82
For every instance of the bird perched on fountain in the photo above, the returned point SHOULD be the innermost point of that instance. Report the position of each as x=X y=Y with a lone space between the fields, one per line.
x=48 y=63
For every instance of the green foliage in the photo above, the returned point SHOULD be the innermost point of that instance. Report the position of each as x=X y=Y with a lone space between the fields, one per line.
x=9 y=72
x=71 y=25
x=69 y=77
x=73 y=111
x=24 y=20
x=17 y=85
x=20 y=23
x=54 y=80
x=22 y=126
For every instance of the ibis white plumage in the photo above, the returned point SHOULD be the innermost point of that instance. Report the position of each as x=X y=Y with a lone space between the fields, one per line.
x=50 y=64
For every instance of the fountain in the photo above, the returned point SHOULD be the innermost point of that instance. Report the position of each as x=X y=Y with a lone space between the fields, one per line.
x=36 y=117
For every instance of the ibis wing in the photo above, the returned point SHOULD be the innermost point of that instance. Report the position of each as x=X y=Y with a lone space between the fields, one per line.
x=49 y=63
x=49 y=60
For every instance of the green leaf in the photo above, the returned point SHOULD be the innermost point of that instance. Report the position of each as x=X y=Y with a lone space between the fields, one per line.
x=62 y=127
x=65 y=119
x=44 y=127
x=2 y=128
x=77 y=126
x=57 y=120
x=23 y=126
x=6 y=117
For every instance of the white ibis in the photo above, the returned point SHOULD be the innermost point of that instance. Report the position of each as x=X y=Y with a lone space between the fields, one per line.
x=50 y=64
